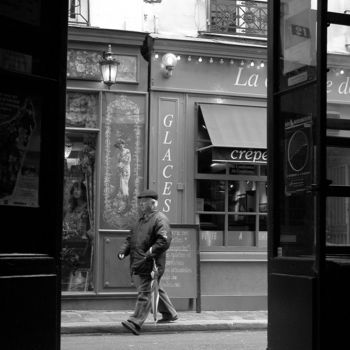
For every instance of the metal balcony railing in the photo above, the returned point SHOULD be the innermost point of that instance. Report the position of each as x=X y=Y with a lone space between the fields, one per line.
x=246 y=18
x=79 y=12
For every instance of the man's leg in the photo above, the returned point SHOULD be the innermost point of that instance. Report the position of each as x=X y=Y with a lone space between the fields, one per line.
x=143 y=301
x=165 y=306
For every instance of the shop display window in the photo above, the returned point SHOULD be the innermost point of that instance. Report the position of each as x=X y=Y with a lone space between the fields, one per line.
x=232 y=210
x=211 y=195
x=231 y=197
x=212 y=230
x=78 y=212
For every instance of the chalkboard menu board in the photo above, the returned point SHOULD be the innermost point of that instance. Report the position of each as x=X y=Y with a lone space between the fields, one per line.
x=181 y=278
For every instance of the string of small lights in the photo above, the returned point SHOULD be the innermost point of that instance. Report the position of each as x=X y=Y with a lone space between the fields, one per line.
x=249 y=63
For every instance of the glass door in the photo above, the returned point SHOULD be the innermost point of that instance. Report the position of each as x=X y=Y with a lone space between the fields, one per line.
x=294 y=129
x=334 y=292
x=338 y=138
x=296 y=171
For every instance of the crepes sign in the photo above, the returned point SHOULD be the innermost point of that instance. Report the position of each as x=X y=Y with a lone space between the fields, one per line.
x=240 y=155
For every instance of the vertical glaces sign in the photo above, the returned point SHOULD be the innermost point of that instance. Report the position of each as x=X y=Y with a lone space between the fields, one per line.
x=20 y=127
x=167 y=166
x=298 y=154
x=167 y=153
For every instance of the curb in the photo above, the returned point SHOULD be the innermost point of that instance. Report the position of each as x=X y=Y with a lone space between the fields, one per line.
x=184 y=326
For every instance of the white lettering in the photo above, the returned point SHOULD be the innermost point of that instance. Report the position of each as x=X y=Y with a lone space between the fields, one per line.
x=253 y=80
x=237 y=83
x=329 y=85
x=167 y=156
x=165 y=169
x=344 y=87
x=166 y=142
x=257 y=156
x=167 y=188
x=241 y=153
x=233 y=154
x=264 y=157
x=249 y=155
x=168 y=120
x=166 y=207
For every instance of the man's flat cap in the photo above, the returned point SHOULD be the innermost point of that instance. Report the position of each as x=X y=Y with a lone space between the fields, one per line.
x=148 y=194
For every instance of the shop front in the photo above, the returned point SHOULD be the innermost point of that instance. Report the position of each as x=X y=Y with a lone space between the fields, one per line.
x=104 y=166
x=208 y=158
x=196 y=133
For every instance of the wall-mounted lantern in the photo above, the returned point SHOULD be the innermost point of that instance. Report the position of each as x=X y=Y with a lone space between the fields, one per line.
x=169 y=61
x=109 y=67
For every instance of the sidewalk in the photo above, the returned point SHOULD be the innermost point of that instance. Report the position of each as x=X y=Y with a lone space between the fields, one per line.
x=79 y=322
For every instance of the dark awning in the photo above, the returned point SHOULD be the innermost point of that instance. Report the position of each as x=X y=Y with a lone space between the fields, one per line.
x=232 y=127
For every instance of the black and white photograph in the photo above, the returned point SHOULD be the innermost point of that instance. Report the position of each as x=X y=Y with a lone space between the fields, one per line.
x=174 y=174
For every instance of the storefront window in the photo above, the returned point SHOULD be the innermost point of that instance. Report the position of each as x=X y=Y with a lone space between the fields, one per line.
x=211 y=195
x=231 y=198
x=233 y=210
x=212 y=230
x=78 y=212
x=206 y=166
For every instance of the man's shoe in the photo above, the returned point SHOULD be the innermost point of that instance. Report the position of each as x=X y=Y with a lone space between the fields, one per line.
x=167 y=319
x=131 y=327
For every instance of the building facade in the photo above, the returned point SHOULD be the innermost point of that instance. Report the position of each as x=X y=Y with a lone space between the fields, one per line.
x=195 y=132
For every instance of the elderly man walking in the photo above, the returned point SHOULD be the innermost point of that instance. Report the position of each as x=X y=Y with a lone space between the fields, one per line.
x=147 y=244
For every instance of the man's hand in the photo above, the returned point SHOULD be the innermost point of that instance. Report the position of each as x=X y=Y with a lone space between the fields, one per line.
x=121 y=256
x=148 y=255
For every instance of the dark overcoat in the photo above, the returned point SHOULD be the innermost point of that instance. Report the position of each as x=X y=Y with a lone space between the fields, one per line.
x=151 y=233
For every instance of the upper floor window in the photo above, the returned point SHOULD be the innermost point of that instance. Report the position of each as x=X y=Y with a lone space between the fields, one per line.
x=79 y=12
x=246 y=18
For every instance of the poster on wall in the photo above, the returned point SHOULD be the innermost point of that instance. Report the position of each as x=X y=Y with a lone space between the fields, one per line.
x=20 y=127
x=298 y=148
x=123 y=140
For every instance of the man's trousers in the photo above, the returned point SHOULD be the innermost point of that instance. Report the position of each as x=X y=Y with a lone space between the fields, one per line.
x=144 y=300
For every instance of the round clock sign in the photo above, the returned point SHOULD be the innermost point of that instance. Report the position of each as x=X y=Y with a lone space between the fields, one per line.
x=298 y=150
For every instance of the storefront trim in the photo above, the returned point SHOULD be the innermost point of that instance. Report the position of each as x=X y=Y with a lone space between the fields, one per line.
x=245 y=256
x=93 y=89
x=201 y=46
x=70 y=128
x=228 y=177
x=207 y=92
x=113 y=231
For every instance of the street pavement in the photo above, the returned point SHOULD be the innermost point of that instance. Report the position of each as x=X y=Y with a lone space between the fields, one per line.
x=105 y=322
x=216 y=340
